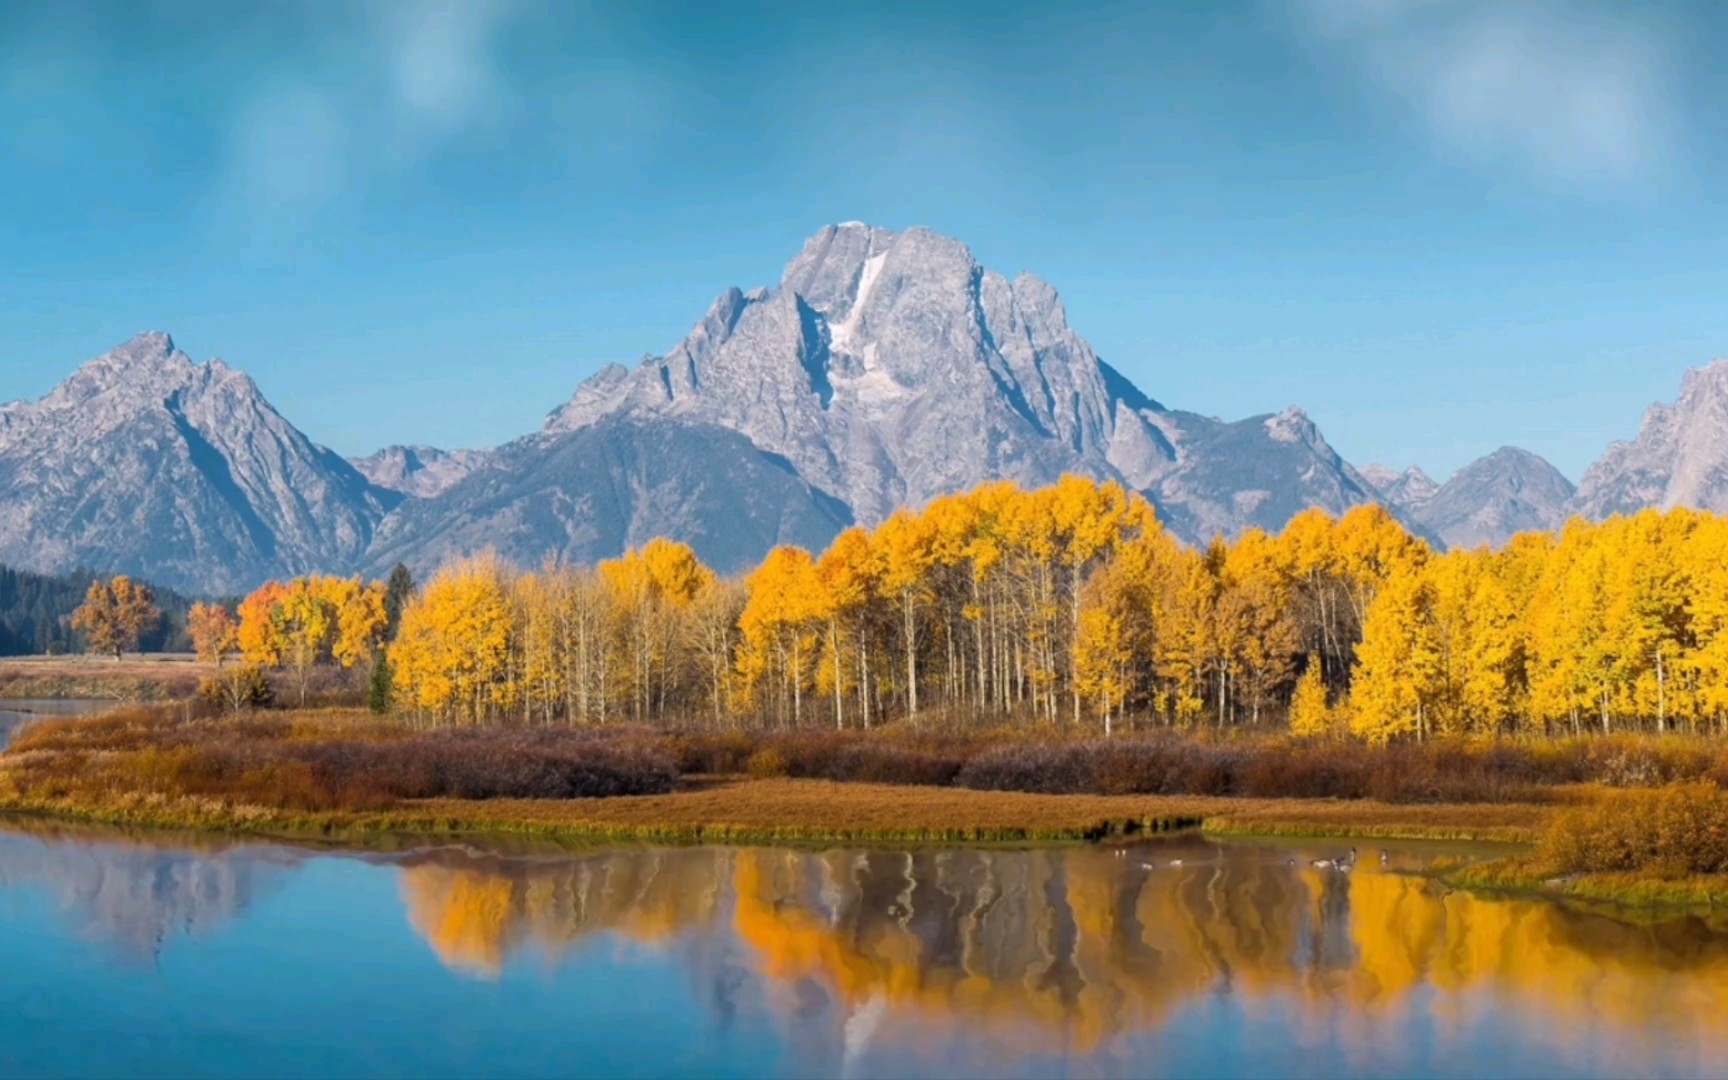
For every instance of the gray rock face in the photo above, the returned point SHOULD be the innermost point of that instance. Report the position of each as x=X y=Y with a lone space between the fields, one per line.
x=420 y=471
x=1494 y=498
x=145 y=463
x=889 y=368
x=884 y=369
x=1407 y=491
x=588 y=494
x=1680 y=457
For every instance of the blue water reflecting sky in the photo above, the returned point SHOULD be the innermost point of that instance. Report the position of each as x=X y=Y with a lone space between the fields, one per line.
x=192 y=958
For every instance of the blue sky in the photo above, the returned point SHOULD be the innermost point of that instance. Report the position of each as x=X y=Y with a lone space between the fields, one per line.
x=1439 y=227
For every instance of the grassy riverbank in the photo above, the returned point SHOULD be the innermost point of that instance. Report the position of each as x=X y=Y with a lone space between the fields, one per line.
x=342 y=776
x=165 y=677
x=738 y=809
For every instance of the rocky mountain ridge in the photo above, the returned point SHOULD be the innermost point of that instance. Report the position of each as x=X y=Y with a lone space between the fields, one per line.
x=1494 y=498
x=1678 y=458
x=890 y=367
x=884 y=369
x=143 y=462
x=420 y=471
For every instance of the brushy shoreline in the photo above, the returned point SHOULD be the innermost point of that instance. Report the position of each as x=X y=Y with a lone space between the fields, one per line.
x=341 y=777
x=739 y=810
x=134 y=679
x=802 y=811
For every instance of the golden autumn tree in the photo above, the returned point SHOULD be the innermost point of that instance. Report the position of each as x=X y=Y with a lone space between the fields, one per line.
x=651 y=591
x=213 y=630
x=779 y=625
x=1476 y=662
x=1310 y=716
x=306 y=622
x=1127 y=623
x=904 y=542
x=848 y=572
x=1395 y=681
x=362 y=620
x=1567 y=631
x=1257 y=638
x=1090 y=520
x=115 y=615
x=1103 y=651
x=1706 y=664
x=259 y=634
x=1060 y=604
x=1648 y=616
x=452 y=652
x=712 y=633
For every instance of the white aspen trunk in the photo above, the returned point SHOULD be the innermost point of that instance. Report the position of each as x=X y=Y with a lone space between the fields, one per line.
x=911 y=656
x=839 y=695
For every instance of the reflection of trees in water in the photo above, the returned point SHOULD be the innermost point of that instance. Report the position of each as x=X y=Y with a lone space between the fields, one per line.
x=1063 y=949
x=474 y=911
x=1039 y=950
x=137 y=897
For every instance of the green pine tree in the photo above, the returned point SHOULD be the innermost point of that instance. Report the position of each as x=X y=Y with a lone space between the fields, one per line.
x=378 y=693
x=396 y=593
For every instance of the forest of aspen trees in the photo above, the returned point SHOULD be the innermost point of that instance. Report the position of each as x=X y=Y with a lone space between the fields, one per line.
x=1068 y=607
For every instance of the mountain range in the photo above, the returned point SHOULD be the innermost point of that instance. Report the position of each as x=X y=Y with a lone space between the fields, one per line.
x=883 y=369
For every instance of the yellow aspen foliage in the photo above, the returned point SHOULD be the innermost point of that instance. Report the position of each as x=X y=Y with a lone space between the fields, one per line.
x=1477 y=655
x=260 y=638
x=451 y=658
x=1394 y=681
x=778 y=628
x=306 y=620
x=361 y=621
x=1310 y=716
x=115 y=614
x=1102 y=656
x=849 y=575
x=647 y=592
x=214 y=632
x=906 y=543
x=712 y=634
x=1068 y=604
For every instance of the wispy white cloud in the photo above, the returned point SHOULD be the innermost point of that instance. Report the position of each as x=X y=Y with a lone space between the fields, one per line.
x=1571 y=94
x=379 y=94
x=442 y=63
x=289 y=159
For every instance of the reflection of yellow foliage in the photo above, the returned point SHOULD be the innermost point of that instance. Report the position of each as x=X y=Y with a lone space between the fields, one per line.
x=473 y=916
x=1072 y=948
x=1580 y=969
x=1119 y=948
x=464 y=916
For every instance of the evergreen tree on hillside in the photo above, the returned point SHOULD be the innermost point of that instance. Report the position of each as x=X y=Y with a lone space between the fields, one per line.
x=378 y=691
x=36 y=615
x=396 y=593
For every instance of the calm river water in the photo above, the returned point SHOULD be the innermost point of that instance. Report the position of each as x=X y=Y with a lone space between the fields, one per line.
x=16 y=712
x=198 y=957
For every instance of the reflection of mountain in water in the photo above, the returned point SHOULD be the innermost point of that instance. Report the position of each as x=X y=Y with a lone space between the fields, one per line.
x=1070 y=948
x=138 y=897
x=864 y=960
